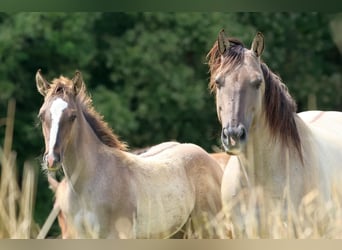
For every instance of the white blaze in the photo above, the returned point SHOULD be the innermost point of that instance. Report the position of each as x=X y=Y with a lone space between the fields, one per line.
x=56 y=111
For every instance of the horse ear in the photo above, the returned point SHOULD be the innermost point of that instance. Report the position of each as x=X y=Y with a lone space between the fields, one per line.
x=42 y=85
x=258 y=44
x=77 y=81
x=222 y=41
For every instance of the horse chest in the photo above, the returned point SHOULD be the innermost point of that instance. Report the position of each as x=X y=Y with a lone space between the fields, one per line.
x=82 y=220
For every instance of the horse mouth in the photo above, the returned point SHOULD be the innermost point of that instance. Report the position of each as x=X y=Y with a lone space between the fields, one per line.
x=231 y=146
x=52 y=162
x=54 y=168
x=233 y=150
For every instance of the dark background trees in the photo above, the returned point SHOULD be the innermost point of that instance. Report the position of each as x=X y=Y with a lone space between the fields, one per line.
x=147 y=72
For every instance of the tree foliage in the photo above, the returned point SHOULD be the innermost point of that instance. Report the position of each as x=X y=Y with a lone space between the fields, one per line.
x=300 y=48
x=147 y=72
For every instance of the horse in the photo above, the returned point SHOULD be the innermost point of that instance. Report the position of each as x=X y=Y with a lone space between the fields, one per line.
x=59 y=187
x=287 y=154
x=108 y=192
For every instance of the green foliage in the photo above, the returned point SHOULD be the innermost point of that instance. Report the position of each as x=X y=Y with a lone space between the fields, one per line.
x=157 y=67
x=300 y=48
x=147 y=72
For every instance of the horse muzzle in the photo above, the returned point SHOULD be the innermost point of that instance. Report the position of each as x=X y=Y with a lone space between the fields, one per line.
x=52 y=162
x=233 y=139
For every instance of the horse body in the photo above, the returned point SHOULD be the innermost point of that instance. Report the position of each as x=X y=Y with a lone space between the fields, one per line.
x=108 y=192
x=325 y=144
x=222 y=158
x=144 y=212
x=273 y=147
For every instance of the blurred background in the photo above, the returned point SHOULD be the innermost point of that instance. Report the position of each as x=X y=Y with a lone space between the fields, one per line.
x=147 y=74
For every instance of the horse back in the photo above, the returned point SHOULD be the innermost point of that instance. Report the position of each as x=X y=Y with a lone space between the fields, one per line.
x=324 y=144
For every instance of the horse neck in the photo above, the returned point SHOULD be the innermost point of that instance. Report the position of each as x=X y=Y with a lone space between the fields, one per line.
x=275 y=167
x=80 y=161
x=264 y=158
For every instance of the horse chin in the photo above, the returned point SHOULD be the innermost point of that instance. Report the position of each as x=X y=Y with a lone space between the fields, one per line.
x=232 y=150
x=54 y=168
x=233 y=153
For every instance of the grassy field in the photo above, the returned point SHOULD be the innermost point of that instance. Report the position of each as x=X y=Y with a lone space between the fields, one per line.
x=260 y=217
x=265 y=218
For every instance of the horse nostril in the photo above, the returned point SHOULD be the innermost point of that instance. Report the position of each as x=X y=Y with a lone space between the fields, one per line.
x=57 y=157
x=243 y=134
x=225 y=132
x=235 y=133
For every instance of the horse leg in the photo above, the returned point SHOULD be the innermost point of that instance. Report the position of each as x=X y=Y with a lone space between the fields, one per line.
x=206 y=217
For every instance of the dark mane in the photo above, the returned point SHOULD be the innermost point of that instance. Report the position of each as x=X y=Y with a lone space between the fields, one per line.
x=232 y=56
x=279 y=110
x=279 y=105
x=101 y=128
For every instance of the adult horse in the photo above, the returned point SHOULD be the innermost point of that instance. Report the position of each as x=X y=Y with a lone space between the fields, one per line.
x=111 y=193
x=285 y=153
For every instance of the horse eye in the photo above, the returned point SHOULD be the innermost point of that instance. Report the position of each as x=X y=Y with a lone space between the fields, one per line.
x=218 y=81
x=72 y=117
x=257 y=83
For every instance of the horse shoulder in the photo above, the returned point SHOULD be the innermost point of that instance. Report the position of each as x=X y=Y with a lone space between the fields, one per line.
x=74 y=219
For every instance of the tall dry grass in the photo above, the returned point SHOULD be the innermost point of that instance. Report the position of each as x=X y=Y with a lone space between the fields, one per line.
x=16 y=199
x=260 y=216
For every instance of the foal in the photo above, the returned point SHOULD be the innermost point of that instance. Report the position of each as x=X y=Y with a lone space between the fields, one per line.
x=111 y=193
